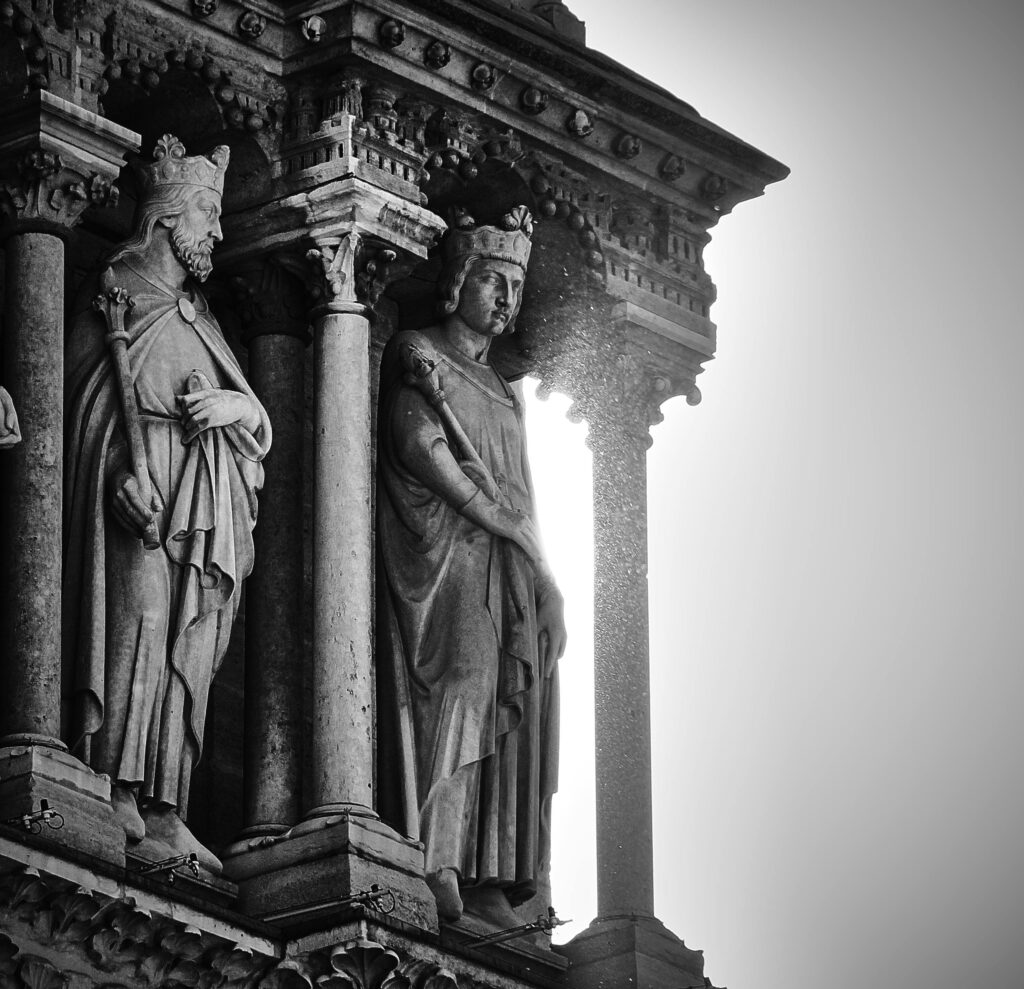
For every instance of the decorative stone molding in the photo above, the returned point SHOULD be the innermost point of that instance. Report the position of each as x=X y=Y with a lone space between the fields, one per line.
x=313 y=28
x=391 y=33
x=242 y=109
x=482 y=77
x=672 y=168
x=45 y=189
x=437 y=55
x=534 y=101
x=351 y=271
x=251 y=24
x=628 y=146
x=580 y=124
x=104 y=941
x=203 y=8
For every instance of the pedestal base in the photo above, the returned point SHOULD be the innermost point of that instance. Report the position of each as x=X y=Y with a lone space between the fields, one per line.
x=299 y=878
x=632 y=953
x=31 y=773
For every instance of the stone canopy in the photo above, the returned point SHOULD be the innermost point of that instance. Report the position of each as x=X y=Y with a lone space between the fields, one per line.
x=358 y=130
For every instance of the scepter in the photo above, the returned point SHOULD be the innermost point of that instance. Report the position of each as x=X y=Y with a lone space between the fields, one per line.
x=421 y=373
x=112 y=304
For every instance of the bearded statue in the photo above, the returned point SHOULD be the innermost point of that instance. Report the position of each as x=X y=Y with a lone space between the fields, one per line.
x=163 y=452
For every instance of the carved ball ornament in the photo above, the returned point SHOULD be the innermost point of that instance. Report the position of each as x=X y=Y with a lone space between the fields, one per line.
x=533 y=100
x=391 y=33
x=251 y=25
x=437 y=55
x=628 y=146
x=313 y=28
x=203 y=8
x=672 y=168
x=713 y=188
x=482 y=77
x=580 y=124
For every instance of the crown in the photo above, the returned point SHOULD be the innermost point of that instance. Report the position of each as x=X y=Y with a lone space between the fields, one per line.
x=510 y=241
x=171 y=166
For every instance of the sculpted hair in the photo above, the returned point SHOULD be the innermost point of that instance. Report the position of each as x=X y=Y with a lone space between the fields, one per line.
x=166 y=201
x=450 y=282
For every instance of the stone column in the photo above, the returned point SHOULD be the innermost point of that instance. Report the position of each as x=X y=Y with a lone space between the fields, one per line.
x=56 y=159
x=626 y=947
x=271 y=305
x=622 y=698
x=342 y=742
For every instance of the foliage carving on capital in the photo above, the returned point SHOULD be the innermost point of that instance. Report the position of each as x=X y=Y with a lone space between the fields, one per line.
x=44 y=188
x=619 y=395
x=359 y=964
x=38 y=973
x=415 y=973
x=349 y=272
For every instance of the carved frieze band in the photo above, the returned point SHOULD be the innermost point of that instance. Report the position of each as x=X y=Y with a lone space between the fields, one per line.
x=57 y=935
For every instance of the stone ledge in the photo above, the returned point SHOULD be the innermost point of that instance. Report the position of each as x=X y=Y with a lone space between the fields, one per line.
x=632 y=952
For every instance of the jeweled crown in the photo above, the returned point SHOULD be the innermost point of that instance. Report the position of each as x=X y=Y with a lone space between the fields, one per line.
x=172 y=167
x=509 y=241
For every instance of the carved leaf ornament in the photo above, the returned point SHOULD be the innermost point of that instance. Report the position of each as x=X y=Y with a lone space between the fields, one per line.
x=359 y=964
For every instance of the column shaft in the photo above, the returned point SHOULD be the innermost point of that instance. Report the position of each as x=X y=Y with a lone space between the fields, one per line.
x=30 y=557
x=622 y=676
x=273 y=614
x=342 y=568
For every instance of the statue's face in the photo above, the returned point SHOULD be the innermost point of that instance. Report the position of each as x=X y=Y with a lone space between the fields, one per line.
x=490 y=296
x=196 y=230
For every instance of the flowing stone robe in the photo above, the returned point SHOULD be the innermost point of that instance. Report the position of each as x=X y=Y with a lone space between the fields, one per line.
x=146 y=630
x=468 y=718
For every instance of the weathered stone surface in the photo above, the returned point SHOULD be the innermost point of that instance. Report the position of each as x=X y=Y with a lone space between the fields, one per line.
x=326 y=860
x=632 y=953
x=30 y=774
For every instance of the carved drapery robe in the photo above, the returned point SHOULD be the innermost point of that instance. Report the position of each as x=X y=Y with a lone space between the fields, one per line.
x=146 y=630
x=467 y=717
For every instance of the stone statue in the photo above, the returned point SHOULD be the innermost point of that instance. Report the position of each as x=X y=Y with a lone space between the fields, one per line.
x=10 y=434
x=470 y=623
x=163 y=453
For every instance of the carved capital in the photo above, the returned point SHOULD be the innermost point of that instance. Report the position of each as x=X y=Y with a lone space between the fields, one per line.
x=359 y=964
x=619 y=394
x=42 y=188
x=270 y=300
x=347 y=273
x=56 y=159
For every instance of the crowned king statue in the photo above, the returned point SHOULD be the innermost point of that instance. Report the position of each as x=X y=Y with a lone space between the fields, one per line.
x=470 y=625
x=163 y=453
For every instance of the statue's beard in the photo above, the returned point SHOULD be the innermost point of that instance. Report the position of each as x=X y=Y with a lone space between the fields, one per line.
x=196 y=257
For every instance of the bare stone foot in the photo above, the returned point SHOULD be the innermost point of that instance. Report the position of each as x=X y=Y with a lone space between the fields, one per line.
x=444 y=884
x=126 y=810
x=165 y=827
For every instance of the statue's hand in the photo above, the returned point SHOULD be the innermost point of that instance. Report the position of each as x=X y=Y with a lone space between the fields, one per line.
x=10 y=433
x=210 y=407
x=550 y=624
x=517 y=527
x=128 y=506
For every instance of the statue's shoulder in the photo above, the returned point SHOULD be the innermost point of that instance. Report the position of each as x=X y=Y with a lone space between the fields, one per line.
x=423 y=339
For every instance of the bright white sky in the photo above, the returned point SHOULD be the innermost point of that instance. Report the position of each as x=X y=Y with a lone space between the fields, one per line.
x=837 y=618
